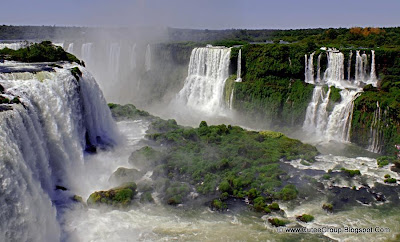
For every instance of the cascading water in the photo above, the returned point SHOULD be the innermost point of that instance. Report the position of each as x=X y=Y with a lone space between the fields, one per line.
x=376 y=132
x=239 y=67
x=113 y=59
x=70 y=48
x=316 y=115
x=204 y=86
x=373 y=79
x=349 y=66
x=147 y=63
x=309 y=69
x=319 y=68
x=133 y=57
x=13 y=46
x=335 y=125
x=335 y=70
x=86 y=52
x=339 y=123
x=42 y=142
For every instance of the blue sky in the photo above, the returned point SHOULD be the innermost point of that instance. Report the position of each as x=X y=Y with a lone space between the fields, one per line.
x=211 y=14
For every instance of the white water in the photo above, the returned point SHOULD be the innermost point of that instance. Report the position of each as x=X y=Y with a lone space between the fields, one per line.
x=86 y=53
x=336 y=124
x=147 y=63
x=309 y=69
x=204 y=87
x=376 y=132
x=319 y=68
x=113 y=60
x=70 y=48
x=316 y=115
x=239 y=67
x=13 y=46
x=133 y=57
x=335 y=70
x=339 y=123
x=42 y=146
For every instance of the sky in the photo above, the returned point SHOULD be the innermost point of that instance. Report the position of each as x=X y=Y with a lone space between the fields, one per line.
x=203 y=14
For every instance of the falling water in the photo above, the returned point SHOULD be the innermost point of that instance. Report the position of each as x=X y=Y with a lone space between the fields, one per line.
x=133 y=57
x=70 y=48
x=376 y=132
x=204 y=87
x=316 y=114
x=239 y=67
x=113 y=59
x=319 y=68
x=42 y=143
x=335 y=70
x=148 y=58
x=364 y=66
x=349 y=66
x=13 y=46
x=309 y=69
x=339 y=123
x=373 y=72
x=86 y=52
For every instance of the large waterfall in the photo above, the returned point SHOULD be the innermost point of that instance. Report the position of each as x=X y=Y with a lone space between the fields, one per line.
x=204 y=87
x=42 y=143
x=336 y=123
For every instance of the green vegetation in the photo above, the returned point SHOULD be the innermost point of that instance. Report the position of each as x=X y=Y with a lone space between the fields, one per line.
x=274 y=206
x=306 y=218
x=146 y=198
x=218 y=205
x=351 y=173
x=236 y=161
x=4 y=100
x=118 y=197
x=390 y=180
x=128 y=111
x=277 y=222
x=221 y=160
x=272 y=88
x=38 y=52
x=328 y=207
x=385 y=160
x=76 y=72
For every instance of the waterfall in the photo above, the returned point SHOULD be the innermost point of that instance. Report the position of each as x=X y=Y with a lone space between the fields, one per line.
x=14 y=46
x=309 y=69
x=113 y=60
x=239 y=67
x=376 y=132
x=316 y=114
x=349 y=66
x=364 y=66
x=204 y=87
x=133 y=57
x=70 y=48
x=42 y=142
x=373 y=79
x=339 y=123
x=147 y=63
x=231 y=99
x=359 y=75
x=335 y=70
x=86 y=52
x=319 y=68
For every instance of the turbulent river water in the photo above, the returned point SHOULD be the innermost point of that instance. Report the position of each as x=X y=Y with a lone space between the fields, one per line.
x=158 y=222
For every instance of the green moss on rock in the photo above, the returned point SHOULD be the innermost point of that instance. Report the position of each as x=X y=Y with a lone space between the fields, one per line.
x=121 y=196
x=306 y=218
